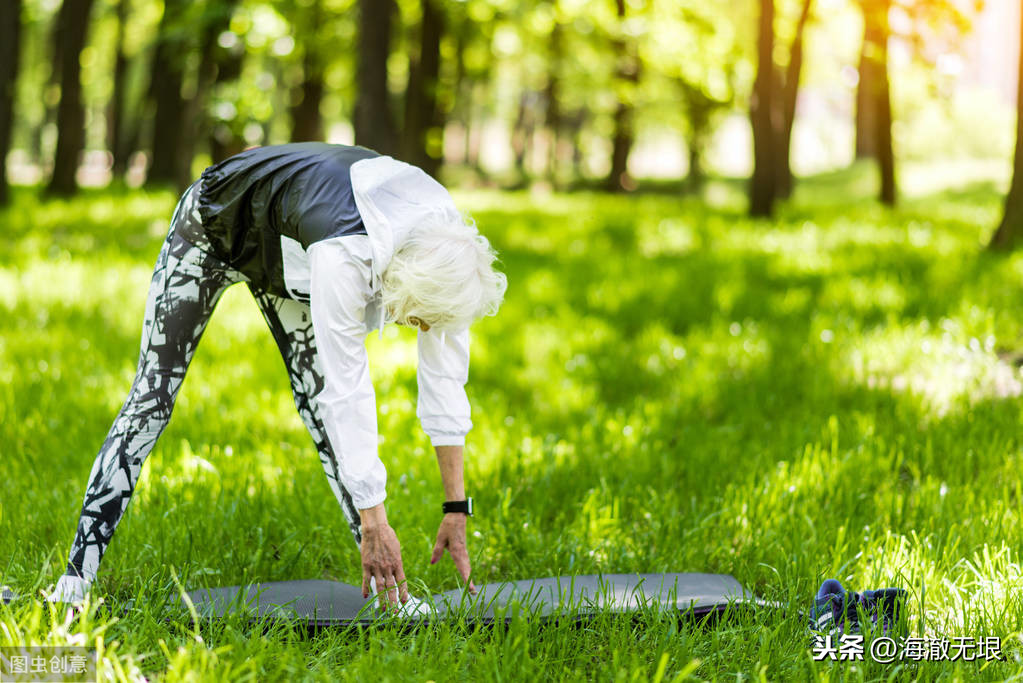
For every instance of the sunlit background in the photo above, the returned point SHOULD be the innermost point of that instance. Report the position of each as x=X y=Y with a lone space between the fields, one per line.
x=525 y=92
x=829 y=387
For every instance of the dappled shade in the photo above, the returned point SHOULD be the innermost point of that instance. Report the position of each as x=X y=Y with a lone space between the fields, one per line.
x=669 y=387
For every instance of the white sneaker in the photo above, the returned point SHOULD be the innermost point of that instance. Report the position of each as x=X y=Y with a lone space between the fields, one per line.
x=413 y=607
x=70 y=589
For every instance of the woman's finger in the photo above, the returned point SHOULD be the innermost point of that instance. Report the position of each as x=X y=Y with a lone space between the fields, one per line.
x=365 y=582
x=384 y=590
x=402 y=585
x=392 y=589
x=438 y=550
x=461 y=559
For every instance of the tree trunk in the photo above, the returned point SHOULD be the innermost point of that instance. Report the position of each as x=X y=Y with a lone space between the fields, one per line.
x=695 y=176
x=462 y=88
x=306 y=97
x=73 y=26
x=224 y=140
x=373 y=120
x=627 y=74
x=866 y=91
x=575 y=122
x=424 y=130
x=39 y=154
x=553 y=96
x=168 y=164
x=521 y=132
x=197 y=121
x=762 y=110
x=468 y=100
x=1010 y=232
x=698 y=108
x=116 y=137
x=873 y=97
x=10 y=50
x=885 y=153
x=474 y=133
x=790 y=93
x=306 y=120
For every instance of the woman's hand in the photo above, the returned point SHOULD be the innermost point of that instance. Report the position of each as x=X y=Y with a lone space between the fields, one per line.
x=451 y=537
x=381 y=557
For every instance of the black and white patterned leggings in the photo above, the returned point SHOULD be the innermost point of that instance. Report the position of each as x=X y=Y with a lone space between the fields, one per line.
x=187 y=283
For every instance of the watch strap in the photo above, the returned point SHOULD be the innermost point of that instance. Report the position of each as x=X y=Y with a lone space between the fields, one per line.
x=463 y=506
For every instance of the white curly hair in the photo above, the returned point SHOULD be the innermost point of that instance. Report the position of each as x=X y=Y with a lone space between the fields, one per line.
x=443 y=275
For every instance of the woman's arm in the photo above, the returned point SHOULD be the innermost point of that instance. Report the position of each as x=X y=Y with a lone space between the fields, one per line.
x=340 y=273
x=442 y=405
x=443 y=410
x=451 y=534
x=339 y=290
x=449 y=459
x=381 y=556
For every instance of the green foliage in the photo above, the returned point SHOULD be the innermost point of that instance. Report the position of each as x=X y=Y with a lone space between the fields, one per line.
x=669 y=387
x=501 y=61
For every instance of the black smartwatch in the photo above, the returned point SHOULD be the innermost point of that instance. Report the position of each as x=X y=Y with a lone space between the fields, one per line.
x=464 y=506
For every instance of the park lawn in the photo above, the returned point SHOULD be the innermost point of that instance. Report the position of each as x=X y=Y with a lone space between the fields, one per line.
x=670 y=386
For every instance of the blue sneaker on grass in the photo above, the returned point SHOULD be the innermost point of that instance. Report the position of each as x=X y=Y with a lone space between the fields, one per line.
x=837 y=611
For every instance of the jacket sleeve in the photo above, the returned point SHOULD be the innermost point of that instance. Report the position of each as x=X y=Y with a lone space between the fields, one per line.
x=339 y=291
x=443 y=407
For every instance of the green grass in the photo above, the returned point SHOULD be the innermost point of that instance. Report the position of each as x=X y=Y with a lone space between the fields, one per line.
x=669 y=387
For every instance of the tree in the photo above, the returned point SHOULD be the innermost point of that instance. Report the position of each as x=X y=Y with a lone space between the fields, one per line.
x=692 y=55
x=762 y=117
x=423 y=134
x=306 y=119
x=471 y=29
x=117 y=141
x=10 y=49
x=789 y=95
x=171 y=158
x=214 y=22
x=883 y=117
x=373 y=119
x=179 y=120
x=700 y=108
x=528 y=117
x=868 y=76
x=72 y=27
x=627 y=72
x=51 y=88
x=463 y=87
x=1010 y=232
x=773 y=112
x=873 y=99
x=224 y=136
x=552 y=95
x=932 y=28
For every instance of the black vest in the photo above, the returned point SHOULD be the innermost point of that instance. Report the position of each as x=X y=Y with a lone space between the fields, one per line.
x=263 y=198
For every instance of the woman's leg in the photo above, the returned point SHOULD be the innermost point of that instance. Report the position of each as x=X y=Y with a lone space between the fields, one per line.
x=292 y=326
x=186 y=284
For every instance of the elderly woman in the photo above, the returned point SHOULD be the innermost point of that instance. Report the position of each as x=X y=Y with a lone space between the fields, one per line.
x=333 y=241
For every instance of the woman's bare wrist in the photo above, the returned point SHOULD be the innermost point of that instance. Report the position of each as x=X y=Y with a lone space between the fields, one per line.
x=374 y=517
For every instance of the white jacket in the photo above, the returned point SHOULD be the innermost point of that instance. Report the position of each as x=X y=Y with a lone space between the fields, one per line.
x=344 y=276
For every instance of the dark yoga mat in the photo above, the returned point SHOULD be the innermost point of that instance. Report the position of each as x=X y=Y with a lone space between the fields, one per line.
x=329 y=603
